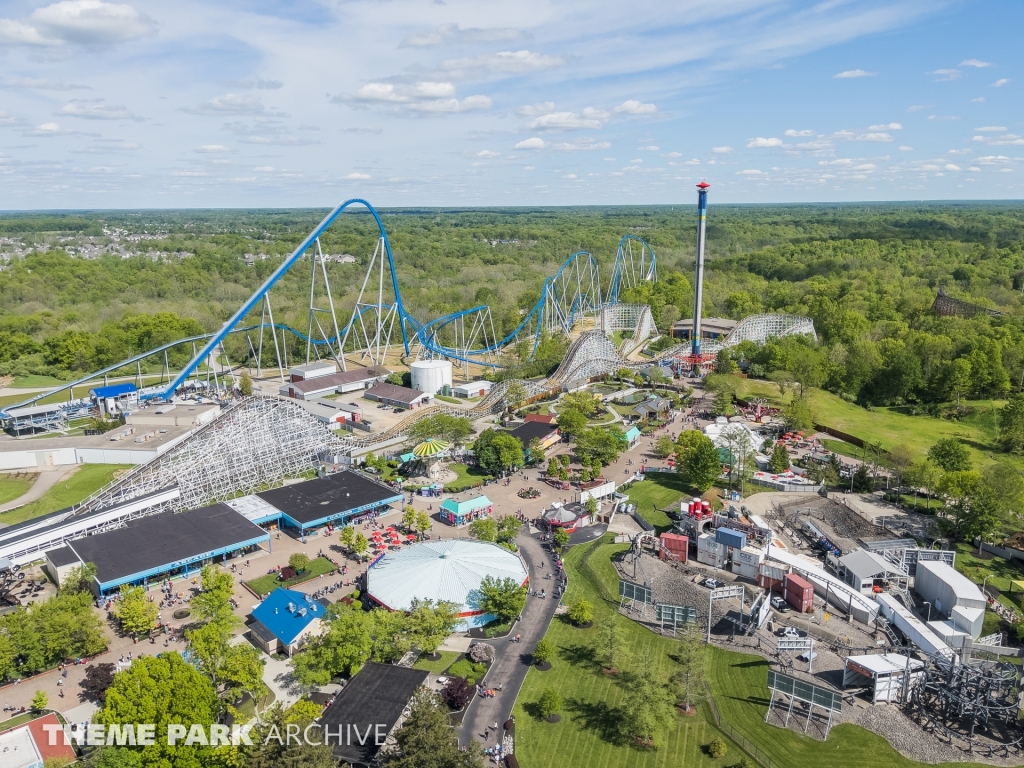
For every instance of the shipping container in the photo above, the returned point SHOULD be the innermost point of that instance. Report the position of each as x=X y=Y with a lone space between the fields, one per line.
x=731 y=538
x=747 y=570
x=707 y=543
x=710 y=558
x=798 y=593
x=674 y=546
x=751 y=556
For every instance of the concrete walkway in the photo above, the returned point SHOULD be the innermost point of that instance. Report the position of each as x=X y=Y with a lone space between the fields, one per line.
x=512 y=660
x=48 y=477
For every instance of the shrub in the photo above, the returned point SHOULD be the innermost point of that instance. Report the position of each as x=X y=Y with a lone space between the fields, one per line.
x=543 y=652
x=581 y=611
x=550 y=702
x=457 y=693
x=717 y=748
x=482 y=653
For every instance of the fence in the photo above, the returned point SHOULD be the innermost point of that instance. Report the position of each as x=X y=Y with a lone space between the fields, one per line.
x=738 y=738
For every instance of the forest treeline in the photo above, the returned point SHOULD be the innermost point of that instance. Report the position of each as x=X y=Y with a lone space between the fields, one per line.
x=866 y=274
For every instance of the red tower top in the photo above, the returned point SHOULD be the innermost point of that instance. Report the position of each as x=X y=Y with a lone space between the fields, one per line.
x=703 y=185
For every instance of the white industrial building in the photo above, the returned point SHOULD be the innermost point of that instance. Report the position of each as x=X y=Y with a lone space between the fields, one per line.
x=952 y=595
x=882 y=673
x=862 y=570
x=328 y=383
x=472 y=389
x=312 y=370
x=431 y=376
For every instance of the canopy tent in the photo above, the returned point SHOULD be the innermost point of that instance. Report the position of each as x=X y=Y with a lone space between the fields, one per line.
x=430 y=448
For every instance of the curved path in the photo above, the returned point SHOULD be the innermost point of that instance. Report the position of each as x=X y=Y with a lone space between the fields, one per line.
x=512 y=660
x=48 y=477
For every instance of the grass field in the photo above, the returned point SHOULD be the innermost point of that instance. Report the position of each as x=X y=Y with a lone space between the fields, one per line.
x=586 y=737
x=88 y=479
x=266 y=584
x=1000 y=573
x=467 y=477
x=658 y=491
x=437 y=667
x=14 y=486
x=889 y=427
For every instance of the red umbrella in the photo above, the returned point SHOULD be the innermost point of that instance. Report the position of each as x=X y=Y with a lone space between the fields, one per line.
x=376 y=535
x=390 y=528
x=410 y=537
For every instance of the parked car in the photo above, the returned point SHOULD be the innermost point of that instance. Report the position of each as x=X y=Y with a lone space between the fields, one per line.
x=712 y=583
x=780 y=605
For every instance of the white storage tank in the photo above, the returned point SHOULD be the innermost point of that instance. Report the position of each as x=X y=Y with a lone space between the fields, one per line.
x=431 y=375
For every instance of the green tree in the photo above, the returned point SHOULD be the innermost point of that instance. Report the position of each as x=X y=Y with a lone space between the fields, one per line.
x=498 y=451
x=806 y=366
x=39 y=701
x=611 y=643
x=347 y=536
x=861 y=481
x=543 y=652
x=429 y=625
x=717 y=748
x=581 y=611
x=213 y=603
x=515 y=395
x=502 y=597
x=571 y=422
x=724 y=362
x=601 y=444
x=242 y=672
x=535 y=452
x=1011 y=425
x=484 y=528
x=298 y=562
x=245 y=384
x=697 y=460
x=779 y=461
x=664 y=447
x=423 y=523
x=508 y=530
x=553 y=467
x=690 y=679
x=582 y=401
x=560 y=538
x=272 y=749
x=960 y=379
x=360 y=545
x=78 y=579
x=783 y=380
x=899 y=459
x=135 y=614
x=592 y=507
x=549 y=703
x=443 y=426
x=950 y=455
x=797 y=414
x=646 y=706
x=340 y=649
x=163 y=690
x=425 y=739
x=409 y=518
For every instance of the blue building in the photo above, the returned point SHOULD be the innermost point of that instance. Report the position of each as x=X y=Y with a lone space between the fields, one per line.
x=284 y=620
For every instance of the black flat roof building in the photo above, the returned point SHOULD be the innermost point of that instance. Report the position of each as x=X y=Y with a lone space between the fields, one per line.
x=529 y=430
x=334 y=497
x=159 y=544
x=368 y=709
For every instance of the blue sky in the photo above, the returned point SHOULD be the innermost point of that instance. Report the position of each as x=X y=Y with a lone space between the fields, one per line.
x=235 y=103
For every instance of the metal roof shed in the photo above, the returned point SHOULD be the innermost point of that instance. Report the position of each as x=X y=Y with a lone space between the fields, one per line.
x=946 y=588
x=860 y=568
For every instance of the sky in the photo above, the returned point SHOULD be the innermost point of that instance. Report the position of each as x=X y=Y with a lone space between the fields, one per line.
x=275 y=103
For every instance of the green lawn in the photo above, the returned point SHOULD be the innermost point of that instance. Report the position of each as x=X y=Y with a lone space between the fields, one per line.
x=999 y=570
x=658 y=491
x=843 y=448
x=890 y=428
x=467 y=477
x=586 y=737
x=13 y=486
x=34 y=380
x=266 y=584
x=437 y=667
x=88 y=479
x=445 y=399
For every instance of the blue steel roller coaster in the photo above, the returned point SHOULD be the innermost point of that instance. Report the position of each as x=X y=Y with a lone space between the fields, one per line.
x=467 y=336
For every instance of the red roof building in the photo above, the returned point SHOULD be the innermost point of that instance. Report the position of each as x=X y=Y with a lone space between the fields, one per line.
x=541 y=419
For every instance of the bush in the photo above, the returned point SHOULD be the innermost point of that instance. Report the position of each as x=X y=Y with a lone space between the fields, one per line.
x=543 y=652
x=466 y=669
x=549 y=703
x=457 y=693
x=717 y=748
x=482 y=653
x=581 y=611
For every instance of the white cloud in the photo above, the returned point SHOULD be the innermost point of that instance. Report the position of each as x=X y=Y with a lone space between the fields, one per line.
x=975 y=63
x=905 y=148
x=264 y=169
x=798 y=134
x=1006 y=140
x=721 y=150
x=945 y=75
x=674 y=154
x=991 y=129
x=535 y=143
x=488 y=153
x=979 y=100
x=851 y=73
x=761 y=142
x=453 y=34
x=425 y=96
x=41 y=83
x=211 y=149
x=570 y=176
x=943 y=117
x=259 y=84
x=358 y=176
x=887 y=127
x=750 y=172
x=97 y=110
x=634 y=107
x=569 y=121
x=873 y=137
x=1000 y=82
x=951 y=167
x=501 y=63
x=918 y=107
x=650 y=148
x=693 y=161
x=78 y=22
x=530 y=110
x=230 y=104
x=583 y=145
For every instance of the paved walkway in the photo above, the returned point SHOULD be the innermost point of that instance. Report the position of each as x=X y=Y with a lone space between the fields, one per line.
x=512 y=660
x=48 y=477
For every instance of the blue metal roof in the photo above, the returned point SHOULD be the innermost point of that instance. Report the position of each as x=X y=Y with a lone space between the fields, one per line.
x=114 y=390
x=633 y=434
x=282 y=613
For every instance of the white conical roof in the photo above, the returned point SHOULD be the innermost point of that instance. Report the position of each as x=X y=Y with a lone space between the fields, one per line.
x=449 y=570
